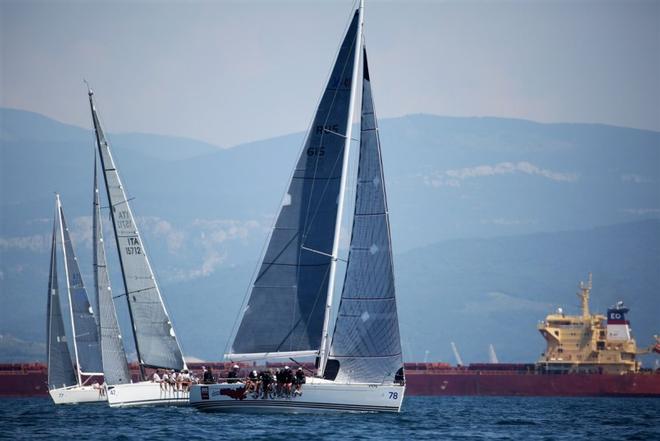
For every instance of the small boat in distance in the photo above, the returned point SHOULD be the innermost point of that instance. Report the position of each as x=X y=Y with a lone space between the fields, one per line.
x=65 y=381
x=288 y=314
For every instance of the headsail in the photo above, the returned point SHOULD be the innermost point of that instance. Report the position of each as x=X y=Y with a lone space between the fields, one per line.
x=366 y=341
x=60 y=368
x=155 y=341
x=285 y=311
x=87 y=347
x=115 y=367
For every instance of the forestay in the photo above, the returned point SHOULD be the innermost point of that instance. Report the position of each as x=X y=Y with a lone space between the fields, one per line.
x=84 y=322
x=156 y=342
x=60 y=368
x=366 y=341
x=115 y=367
x=285 y=310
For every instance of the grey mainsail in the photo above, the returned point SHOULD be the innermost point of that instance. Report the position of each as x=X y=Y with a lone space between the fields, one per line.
x=60 y=368
x=84 y=327
x=115 y=366
x=155 y=340
x=287 y=303
x=366 y=341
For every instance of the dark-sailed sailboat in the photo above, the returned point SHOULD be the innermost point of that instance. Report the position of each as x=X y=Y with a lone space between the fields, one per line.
x=288 y=314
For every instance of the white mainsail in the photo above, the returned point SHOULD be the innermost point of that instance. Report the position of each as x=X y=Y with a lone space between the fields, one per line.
x=155 y=341
x=115 y=366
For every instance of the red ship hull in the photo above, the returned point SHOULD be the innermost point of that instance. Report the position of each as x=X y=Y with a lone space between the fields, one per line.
x=431 y=379
x=494 y=383
x=23 y=380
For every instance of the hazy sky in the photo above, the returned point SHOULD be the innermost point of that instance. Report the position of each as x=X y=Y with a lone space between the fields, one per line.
x=232 y=72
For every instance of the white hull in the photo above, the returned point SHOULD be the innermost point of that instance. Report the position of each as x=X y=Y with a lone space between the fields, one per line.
x=317 y=395
x=77 y=394
x=145 y=393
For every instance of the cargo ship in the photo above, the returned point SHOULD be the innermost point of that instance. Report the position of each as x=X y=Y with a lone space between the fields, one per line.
x=586 y=355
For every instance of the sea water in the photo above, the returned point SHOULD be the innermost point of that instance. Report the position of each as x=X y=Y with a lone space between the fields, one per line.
x=423 y=418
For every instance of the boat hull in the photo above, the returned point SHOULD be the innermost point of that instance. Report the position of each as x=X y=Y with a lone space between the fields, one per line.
x=145 y=393
x=317 y=395
x=78 y=395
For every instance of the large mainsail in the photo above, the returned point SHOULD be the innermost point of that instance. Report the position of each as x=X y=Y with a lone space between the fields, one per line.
x=115 y=367
x=155 y=341
x=84 y=327
x=60 y=368
x=287 y=304
x=366 y=341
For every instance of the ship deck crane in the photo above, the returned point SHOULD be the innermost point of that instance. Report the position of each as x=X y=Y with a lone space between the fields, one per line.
x=459 y=360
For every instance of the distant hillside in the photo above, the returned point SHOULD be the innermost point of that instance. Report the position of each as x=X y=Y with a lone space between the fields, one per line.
x=481 y=211
x=447 y=177
x=471 y=291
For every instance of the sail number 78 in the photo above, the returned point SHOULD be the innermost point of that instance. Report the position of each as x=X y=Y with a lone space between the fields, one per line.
x=394 y=395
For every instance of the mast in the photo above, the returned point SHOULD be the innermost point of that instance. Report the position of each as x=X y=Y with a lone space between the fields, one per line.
x=325 y=338
x=585 y=291
x=90 y=93
x=95 y=246
x=68 y=289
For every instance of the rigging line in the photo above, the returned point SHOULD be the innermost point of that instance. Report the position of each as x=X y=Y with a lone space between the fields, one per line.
x=133 y=292
x=322 y=253
x=125 y=201
x=340 y=135
x=301 y=365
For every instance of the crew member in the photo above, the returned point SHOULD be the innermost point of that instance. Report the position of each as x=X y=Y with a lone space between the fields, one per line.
x=298 y=381
x=232 y=376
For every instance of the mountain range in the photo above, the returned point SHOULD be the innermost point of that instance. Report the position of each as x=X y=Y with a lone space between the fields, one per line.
x=494 y=222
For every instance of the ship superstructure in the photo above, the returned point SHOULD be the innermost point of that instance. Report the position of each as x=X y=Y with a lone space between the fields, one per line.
x=588 y=343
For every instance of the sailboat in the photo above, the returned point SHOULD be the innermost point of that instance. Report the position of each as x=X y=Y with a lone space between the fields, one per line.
x=65 y=380
x=155 y=340
x=288 y=314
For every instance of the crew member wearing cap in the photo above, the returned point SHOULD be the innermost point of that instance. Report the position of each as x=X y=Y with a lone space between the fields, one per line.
x=232 y=376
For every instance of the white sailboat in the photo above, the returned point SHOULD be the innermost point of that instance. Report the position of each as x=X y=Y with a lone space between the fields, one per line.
x=65 y=380
x=288 y=314
x=155 y=341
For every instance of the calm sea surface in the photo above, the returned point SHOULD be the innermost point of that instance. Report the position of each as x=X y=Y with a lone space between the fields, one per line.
x=459 y=418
